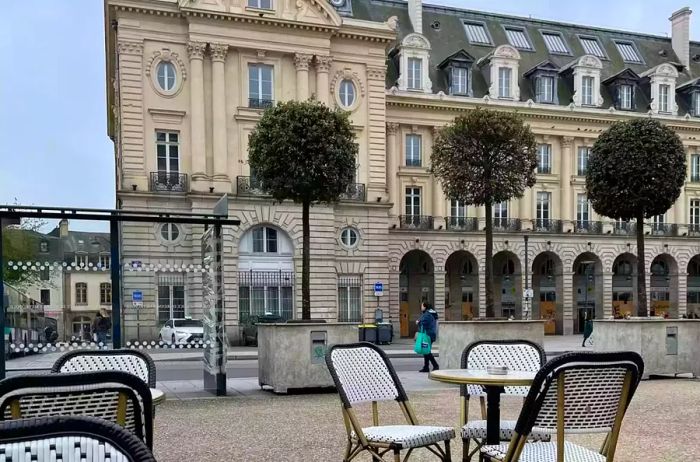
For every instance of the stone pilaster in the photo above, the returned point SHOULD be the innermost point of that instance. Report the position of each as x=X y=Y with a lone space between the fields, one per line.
x=323 y=65
x=392 y=129
x=130 y=115
x=566 y=214
x=301 y=63
x=439 y=297
x=196 y=52
x=218 y=104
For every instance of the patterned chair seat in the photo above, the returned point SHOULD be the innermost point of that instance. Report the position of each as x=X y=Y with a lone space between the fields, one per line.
x=407 y=436
x=476 y=429
x=545 y=452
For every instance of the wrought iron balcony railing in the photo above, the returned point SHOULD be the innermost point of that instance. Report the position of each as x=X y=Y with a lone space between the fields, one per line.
x=694 y=230
x=694 y=178
x=544 y=169
x=168 y=181
x=248 y=186
x=462 y=223
x=257 y=103
x=664 y=229
x=588 y=227
x=506 y=225
x=547 y=226
x=415 y=222
x=624 y=227
x=355 y=192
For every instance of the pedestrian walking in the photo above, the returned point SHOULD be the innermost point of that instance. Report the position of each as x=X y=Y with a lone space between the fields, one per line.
x=428 y=324
x=587 y=329
x=101 y=326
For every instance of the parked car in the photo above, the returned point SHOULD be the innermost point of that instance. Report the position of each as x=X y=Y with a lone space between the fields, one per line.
x=249 y=327
x=181 y=330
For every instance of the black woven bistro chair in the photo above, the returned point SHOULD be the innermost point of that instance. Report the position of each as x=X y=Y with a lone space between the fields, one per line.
x=69 y=439
x=116 y=396
x=573 y=393
x=363 y=374
x=134 y=362
x=517 y=355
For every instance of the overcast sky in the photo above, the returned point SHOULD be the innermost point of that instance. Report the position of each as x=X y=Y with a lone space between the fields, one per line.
x=54 y=148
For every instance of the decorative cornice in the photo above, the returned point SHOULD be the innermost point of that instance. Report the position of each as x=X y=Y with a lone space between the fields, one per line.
x=302 y=60
x=323 y=63
x=218 y=51
x=567 y=141
x=196 y=50
x=130 y=48
x=258 y=20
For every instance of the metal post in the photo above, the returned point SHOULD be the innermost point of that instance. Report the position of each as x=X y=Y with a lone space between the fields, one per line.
x=115 y=269
x=527 y=279
x=2 y=307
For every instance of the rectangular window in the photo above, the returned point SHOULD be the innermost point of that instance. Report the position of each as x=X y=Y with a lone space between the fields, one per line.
x=555 y=43
x=500 y=214
x=105 y=293
x=45 y=296
x=264 y=240
x=458 y=209
x=43 y=246
x=695 y=214
x=544 y=158
x=477 y=33
x=81 y=260
x=543 y=204
x=260 y=93
x=696 y=103
x=261 y=292
x=695 y=168
x=591 y=46
x=628 y=52
x=413 y=201
x=44 y=274
x=260 y=4
x=460 y=81
x=349 y=298
x=414 y=145
x=504 y=76
x=545 y=89
x=167 y=153
x=415 y=70
x=587 y=90
x=625 y=96
x=583 y=209
x=658 y=220
x=518 y=38
x=584 y=152
x=104 y=261
x=171 y=297
x=663 y=97
x=81 y=293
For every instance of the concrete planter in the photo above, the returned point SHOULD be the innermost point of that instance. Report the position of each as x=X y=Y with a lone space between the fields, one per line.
x=668 y=346
x=292 y=356
x=454 y=336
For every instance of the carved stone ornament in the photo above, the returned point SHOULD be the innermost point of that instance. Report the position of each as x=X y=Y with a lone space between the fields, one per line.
x=394 y=90
x=261 y=54
x=302 y=61
x=218 y=51
x=415 y=40
x=666 y=70
x=392 y=128
x=323 y=63
x=349 y=75
x=130 y=48
x=196 y=50
x=393 y=23
x=590 y=61
x=168 y=56
x=506 y=51
x=567 y=141
x=376 y=73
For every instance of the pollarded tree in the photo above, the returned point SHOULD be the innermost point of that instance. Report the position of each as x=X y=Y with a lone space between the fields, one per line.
x=483 y=158
x=636 y=170
x=304 y=152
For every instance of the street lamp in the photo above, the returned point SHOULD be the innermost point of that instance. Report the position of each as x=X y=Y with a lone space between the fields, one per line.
x=587 y=274
x=526 y=308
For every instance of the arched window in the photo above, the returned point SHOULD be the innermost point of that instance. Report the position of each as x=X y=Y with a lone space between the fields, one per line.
x=509 y=267
x=622 y=268
x=659 y=268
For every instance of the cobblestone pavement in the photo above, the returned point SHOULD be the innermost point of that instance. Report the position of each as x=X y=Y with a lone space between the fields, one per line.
x=661 y=425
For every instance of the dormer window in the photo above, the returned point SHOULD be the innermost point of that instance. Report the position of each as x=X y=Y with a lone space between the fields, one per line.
x=414 y=54
x=504 y=77
x=663 y=98
x=415 y=67
x=500 y=69
x=458 y=70
x=628 y=52
x=586 y=74
x=518 y=38
x=662 y=86
x=587 y=83
x=623 y=89
x=624 y=96
x=545 y=89
x=459 y=82
x=544 y=79
x=690 y=94
x=696 y=103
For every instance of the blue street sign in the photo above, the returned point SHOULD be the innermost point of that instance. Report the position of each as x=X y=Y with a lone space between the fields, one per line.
x=137 y=298
x=378 y=289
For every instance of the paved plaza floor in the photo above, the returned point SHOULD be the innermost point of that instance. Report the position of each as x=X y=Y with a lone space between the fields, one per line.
x=661 y=424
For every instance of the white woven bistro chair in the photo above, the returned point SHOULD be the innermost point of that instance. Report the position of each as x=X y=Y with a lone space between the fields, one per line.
x=69 y=439
x=134 y=362
x=517 y=355
x=574 y=393
x=117 y=397
x=363 y=374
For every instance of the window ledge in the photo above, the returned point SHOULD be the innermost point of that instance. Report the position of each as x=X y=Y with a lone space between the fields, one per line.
x=252 y=9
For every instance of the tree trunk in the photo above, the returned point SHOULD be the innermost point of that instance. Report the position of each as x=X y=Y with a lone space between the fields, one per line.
x=305 y=263
x=488 y=272
x=641 y=269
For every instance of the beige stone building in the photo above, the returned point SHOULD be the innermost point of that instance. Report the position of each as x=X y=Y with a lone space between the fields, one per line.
x=189 y=79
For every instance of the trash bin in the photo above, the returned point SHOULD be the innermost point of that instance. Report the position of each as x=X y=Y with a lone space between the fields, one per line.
x=385 y=333
x=368 y=333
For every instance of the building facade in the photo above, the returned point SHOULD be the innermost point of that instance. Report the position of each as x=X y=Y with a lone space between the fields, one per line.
x=188 y=80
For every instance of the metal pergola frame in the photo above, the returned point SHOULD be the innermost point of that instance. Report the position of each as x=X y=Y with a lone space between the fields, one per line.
x=218 y=218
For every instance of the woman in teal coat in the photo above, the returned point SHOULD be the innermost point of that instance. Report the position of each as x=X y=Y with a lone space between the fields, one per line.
x=428 y=323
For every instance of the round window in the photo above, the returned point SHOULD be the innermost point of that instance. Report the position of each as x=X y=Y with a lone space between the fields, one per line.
x=166 y=76
x=347 y=93
x=169 y=232
x=349 y=237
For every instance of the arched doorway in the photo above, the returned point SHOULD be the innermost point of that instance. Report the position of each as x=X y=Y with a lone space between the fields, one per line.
x=588 y=289
x=663 y=286
x=694 y=287
x=416 y=283
x=547 y=283
x=507 y=279
x=461 y=287
x=624 y=285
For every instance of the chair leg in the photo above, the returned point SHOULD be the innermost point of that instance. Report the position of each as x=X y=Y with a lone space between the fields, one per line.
x=466 y=457
x=397 y=455
x=448 y=455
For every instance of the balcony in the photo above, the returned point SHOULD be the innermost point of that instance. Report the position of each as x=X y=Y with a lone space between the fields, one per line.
x=624 y=228
x=421 y=222
x=461 y=224
x=248 y=186
x=168 y=181
x=547 y=226
x=588 y=227
x=544 y=170
x=695 y=178
x=694 y=230
x=256 y=103
x=664 y=229
x=355 y=192
x=506 y=225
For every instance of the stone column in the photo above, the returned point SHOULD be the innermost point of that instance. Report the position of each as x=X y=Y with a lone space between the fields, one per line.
x=565 y=213
x=439 y=198
x=218 y=104
x=568 y=309
x=682 y=295
x=197 y=134
x=392 y=129
x=301 y=63
x=323 y=65
x=526 y=209
x=680 y=217
x=439 y=287
x=607 y=293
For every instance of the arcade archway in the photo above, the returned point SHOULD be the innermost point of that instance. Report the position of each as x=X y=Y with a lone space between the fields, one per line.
x=461 y=287
x=416 y=285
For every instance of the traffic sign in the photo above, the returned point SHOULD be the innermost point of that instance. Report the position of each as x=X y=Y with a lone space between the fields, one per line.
x=137 y=298
x=378 y=289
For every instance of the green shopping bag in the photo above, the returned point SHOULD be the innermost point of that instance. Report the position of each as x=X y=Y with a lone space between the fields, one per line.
x=422 y=346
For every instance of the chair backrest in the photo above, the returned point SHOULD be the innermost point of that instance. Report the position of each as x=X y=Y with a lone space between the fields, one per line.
x=517 y=355
x=114 y=396
x=64 y=439
x=134 y=362
x=362 y=373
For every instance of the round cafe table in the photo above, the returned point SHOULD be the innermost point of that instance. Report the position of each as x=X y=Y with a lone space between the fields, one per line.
x=493 y=385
